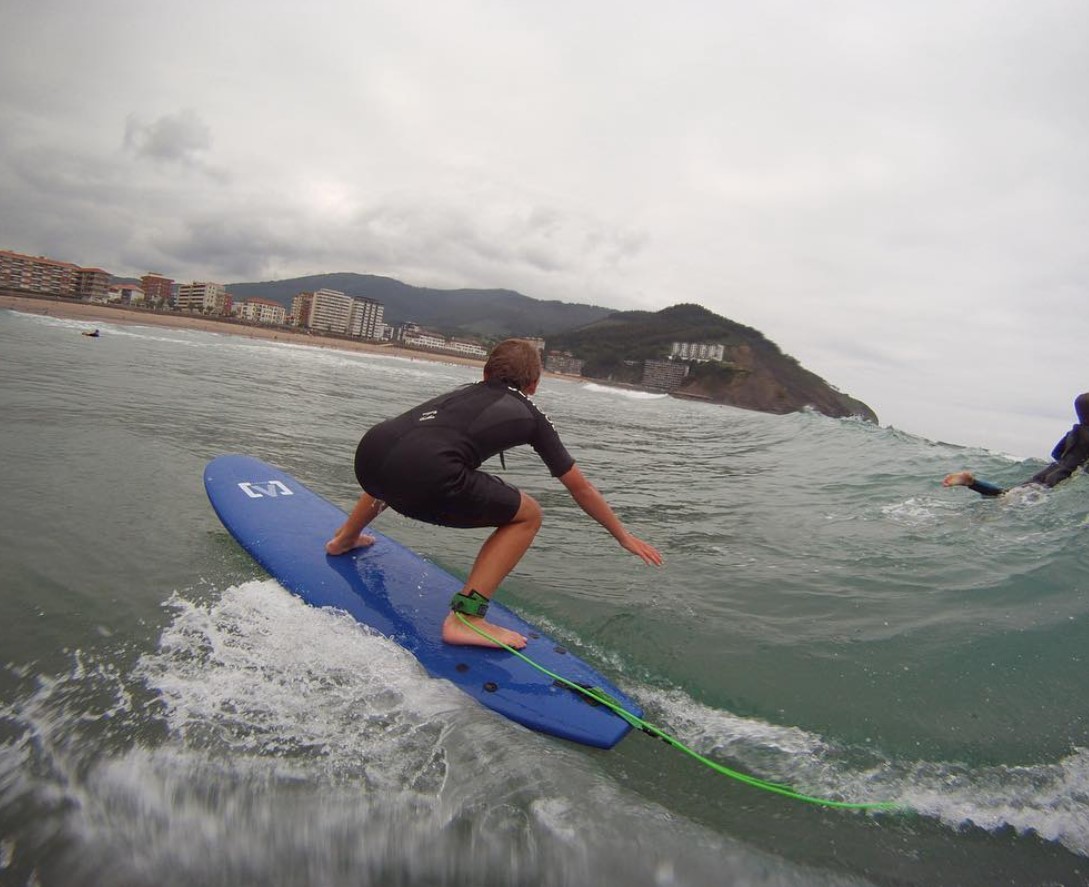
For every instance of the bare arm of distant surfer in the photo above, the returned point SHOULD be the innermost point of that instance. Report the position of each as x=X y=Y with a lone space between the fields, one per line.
x=594 y=504
x=1069 y=454
x=351 y=535
x=967 y=479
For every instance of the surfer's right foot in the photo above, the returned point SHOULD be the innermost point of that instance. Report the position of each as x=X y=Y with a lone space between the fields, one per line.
x=456 y=632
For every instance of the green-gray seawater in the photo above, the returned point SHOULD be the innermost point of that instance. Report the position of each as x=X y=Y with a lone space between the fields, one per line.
x=828 y=617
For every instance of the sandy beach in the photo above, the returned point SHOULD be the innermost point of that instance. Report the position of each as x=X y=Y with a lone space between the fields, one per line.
x=94 y=313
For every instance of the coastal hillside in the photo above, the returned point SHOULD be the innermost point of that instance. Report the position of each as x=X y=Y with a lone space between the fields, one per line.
x=488 y=313
x=755 y=373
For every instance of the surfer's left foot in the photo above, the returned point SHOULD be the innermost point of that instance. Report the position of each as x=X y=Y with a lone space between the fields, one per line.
x=454 y=631
x=336 y=545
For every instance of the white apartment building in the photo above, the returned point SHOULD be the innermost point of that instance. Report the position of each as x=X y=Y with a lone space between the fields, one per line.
x=466 y=347
x=413 y=335
x=258 y=310
x=698 y=351
x=365 y=320
x=423 y=339
x=330 y=312
x=210 y=298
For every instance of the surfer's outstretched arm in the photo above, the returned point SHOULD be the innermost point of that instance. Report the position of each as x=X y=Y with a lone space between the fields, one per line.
x=1069 y=454
x=593 y=503
x=967 y=479
x=351 y=535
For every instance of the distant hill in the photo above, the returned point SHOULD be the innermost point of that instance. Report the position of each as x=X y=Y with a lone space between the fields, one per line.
x=486 y=313
x=755 y=374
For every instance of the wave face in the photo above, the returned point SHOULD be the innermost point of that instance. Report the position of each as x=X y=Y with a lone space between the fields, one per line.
x=828 y=618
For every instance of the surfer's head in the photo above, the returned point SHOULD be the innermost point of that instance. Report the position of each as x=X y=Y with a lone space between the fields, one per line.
x=1081 y=407
x=515 y=362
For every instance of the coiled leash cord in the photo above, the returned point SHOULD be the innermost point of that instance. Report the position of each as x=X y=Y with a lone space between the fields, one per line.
x=603 y=698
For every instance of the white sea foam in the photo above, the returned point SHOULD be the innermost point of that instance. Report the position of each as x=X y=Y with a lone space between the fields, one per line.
x=259 y=672
x=622 y=392
x=919 y=510
x=1050 y=800
x=303 y=748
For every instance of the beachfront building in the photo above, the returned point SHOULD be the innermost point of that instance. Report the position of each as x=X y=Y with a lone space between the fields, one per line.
x=664 y=374
x=257 y=310
x=158 y=290
x=92 y=284
x=417 y=337
x=421 y=338
x=365 y=319
x=44 y=276
x=565 y=364
x=126 y=294
x=466 y=347
x=204 y=297
x=698 y=351
x=37 y=274
x=330 y=312
x=300 y=309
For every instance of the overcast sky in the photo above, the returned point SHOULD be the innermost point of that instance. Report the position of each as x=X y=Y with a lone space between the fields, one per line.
x=896 y=193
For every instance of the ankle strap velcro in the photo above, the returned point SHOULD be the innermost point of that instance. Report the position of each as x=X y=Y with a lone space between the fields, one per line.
x=471 y=604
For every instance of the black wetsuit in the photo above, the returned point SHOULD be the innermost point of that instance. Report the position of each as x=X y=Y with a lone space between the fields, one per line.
x=425 y=463
x=1069 y=454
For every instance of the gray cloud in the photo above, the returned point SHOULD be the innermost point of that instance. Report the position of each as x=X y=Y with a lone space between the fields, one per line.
x=172 y=138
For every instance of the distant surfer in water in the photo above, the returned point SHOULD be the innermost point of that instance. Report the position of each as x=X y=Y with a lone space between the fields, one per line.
x=1069 y=454
x=425 y=464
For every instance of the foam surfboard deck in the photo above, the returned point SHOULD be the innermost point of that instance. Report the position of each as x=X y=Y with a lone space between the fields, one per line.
x=284 y=526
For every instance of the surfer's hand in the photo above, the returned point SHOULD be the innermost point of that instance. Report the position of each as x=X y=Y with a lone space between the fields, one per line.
x=641 y=549
x=959 y=479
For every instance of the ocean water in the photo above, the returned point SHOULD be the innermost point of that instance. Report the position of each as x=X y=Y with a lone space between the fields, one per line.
x=828 y=618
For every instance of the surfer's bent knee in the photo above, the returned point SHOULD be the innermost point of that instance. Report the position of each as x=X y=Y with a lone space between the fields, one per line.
x=529 y=511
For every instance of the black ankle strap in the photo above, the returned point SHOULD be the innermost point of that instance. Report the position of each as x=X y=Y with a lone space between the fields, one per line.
x=471 y=604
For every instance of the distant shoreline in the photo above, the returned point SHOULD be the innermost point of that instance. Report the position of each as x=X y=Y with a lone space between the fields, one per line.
x=92 y=313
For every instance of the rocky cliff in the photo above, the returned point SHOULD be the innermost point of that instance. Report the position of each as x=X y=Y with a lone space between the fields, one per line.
x=754 y=374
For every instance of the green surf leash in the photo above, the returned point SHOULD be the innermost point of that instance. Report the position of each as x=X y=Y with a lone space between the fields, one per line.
x=602 y=698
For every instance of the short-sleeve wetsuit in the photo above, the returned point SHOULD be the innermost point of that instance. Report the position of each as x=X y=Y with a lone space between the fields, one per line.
x=425 y=463
x=1069 y=454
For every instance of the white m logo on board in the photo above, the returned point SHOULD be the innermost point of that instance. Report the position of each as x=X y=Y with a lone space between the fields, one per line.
x=272 y=489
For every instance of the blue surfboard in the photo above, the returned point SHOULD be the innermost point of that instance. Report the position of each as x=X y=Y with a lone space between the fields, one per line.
x=284 y=526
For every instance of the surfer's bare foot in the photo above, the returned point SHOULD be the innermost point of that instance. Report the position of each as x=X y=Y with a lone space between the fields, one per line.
x=337 y=545
x=958 y=479
x=454 y=631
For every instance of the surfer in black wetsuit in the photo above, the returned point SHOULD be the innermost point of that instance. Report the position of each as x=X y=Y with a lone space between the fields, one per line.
x=425 y=464
x=1069 y=455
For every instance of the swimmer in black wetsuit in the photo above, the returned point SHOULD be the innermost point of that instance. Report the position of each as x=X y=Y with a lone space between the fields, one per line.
x=1069 y=454
x=425 y=464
